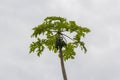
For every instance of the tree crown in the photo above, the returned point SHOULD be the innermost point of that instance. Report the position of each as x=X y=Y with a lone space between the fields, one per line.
x=50 y=27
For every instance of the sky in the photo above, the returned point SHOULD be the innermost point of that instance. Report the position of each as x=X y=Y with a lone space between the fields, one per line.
x=101 y=62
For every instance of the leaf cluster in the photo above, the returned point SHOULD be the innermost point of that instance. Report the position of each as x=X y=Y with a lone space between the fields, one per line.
x=50 y=27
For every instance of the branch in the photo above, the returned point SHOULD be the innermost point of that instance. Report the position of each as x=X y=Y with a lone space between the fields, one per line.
x=67 y=36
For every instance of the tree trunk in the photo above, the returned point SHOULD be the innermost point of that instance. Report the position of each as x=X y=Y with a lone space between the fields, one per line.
x=62 y=64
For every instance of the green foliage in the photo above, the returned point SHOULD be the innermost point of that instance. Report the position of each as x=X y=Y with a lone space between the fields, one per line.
x=50 y=27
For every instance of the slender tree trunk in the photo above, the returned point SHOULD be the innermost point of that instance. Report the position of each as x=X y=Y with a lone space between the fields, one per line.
x=62 y=65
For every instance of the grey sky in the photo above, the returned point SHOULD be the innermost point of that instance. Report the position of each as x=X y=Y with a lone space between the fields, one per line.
x=18 y=17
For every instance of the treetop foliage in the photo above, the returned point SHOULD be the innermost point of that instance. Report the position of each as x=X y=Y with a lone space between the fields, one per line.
x=50 y=27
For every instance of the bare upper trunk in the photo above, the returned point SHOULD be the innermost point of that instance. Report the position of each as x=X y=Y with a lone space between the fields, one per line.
x=62 y=64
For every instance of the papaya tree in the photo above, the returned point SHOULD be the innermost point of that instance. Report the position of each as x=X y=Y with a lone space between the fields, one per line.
x=52 y=34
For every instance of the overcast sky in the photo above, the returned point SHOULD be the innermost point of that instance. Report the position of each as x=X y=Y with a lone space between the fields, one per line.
x=102 y=61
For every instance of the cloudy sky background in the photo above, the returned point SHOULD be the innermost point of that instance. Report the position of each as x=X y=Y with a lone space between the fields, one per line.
x=18 y=17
